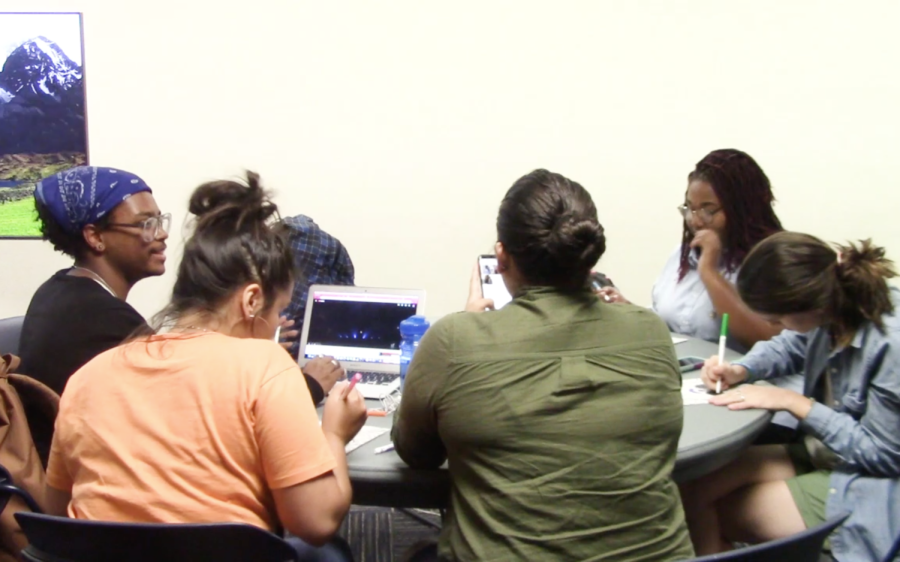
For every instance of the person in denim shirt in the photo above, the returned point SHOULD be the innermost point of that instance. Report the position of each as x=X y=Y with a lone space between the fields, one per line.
x=842 y=330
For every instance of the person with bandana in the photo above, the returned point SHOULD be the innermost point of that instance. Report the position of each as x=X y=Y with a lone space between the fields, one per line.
x=108 y=222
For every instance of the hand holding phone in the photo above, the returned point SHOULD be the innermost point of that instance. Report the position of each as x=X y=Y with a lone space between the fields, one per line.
x=477 y=301
x=492 y=286
x=600 y=281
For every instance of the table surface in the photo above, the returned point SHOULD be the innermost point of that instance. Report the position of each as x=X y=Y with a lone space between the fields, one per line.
x=712 y=436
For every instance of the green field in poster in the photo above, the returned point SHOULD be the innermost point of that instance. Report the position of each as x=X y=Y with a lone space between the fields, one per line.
x=18 y=219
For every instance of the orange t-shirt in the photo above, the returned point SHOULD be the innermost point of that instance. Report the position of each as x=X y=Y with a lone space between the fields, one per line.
x=186 y=428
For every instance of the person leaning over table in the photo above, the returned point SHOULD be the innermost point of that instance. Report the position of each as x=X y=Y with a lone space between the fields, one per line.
x=321 y=259
x=559 y=415
x=842 y=330
x=206 y=418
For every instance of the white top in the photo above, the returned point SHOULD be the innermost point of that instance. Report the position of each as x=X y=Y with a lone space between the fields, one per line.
x=685 y=305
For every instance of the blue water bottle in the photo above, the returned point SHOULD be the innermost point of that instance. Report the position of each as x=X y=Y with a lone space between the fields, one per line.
x=411 y=331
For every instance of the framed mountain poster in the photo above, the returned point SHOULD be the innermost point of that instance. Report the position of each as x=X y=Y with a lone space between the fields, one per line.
x=43 y=127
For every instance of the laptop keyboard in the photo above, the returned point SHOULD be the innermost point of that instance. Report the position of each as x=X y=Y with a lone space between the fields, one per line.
x=369 y=377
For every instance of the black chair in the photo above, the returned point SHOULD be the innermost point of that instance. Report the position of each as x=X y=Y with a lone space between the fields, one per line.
x=60 y=539
x=10 y=334
x=802 y=547
x=9 y=489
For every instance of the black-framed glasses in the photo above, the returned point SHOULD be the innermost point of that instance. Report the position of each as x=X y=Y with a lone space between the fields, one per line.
x=150 y=227
x=704 y=214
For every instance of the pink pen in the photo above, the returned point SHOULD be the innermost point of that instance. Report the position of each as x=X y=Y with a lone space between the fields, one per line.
x=356 y=378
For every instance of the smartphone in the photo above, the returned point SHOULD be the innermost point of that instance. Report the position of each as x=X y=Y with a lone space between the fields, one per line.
x=692 y=363
x=598 y=281
x=492 y=286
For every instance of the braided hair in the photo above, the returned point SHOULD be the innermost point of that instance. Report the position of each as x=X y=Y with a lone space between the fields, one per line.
x=745 y=195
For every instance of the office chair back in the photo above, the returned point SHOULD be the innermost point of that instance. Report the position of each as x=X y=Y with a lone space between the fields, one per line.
x=802 y=547
x=8 y=489
x=10 y=334
x=60 y=539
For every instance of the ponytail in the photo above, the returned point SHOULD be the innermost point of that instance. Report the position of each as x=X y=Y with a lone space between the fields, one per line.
x=863 y=294
x=789 y=273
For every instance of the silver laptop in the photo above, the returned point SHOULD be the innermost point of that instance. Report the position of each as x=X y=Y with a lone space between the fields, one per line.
x=360 y=327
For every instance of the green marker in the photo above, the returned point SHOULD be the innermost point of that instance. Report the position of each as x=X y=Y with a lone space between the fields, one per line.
x=722 y=335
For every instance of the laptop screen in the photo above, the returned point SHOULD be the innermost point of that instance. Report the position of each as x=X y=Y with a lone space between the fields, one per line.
x=358 y=327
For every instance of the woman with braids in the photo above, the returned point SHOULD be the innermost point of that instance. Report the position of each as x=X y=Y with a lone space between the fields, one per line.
x=207 y=419
x=842 y=330
x=559 y=430
x=727 y=210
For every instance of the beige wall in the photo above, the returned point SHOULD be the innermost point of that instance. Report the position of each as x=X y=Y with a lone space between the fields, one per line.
x=399 y=125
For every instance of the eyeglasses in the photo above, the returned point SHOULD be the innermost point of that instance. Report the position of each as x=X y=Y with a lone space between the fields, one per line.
x=704 y=214
x=151 y=227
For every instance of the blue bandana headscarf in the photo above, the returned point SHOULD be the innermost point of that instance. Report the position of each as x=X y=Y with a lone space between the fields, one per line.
x=80 y=196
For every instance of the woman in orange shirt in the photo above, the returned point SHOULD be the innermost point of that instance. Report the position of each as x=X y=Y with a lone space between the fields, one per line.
x=208 y=419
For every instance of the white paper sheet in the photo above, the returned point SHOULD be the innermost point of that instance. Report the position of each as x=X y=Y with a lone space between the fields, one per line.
x=694 y=392
x=366 y=433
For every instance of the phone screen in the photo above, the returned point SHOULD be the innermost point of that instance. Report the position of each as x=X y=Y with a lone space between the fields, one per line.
x=491 y=282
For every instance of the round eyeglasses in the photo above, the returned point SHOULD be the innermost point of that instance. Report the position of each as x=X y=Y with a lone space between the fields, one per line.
x=705 y=215
x=150 y=227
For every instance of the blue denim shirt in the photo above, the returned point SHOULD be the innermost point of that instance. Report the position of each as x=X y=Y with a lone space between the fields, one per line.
x=862 y=425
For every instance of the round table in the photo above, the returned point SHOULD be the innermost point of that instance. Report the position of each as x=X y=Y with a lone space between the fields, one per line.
x=712 y=436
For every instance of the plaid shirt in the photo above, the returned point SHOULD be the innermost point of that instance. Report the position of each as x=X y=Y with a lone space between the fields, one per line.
x=320 y=258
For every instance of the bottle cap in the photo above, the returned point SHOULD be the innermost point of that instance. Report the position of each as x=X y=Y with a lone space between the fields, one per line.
x=414 y=326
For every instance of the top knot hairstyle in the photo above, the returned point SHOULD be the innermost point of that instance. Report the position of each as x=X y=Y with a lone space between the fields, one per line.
x=744 y=192
x=549 y=225
x=790 y=273
x=238 y=239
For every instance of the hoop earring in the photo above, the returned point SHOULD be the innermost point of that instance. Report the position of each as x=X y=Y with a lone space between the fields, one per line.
x=252 y=318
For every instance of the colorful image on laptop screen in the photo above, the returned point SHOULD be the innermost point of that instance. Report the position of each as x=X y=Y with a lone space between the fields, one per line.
x=359 y=327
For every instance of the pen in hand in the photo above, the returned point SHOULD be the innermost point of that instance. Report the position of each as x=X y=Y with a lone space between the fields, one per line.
x=356 y=378
x=722 y=335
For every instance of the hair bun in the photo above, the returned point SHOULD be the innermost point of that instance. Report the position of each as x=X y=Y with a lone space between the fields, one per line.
x=232 y=202
x=577 y=239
